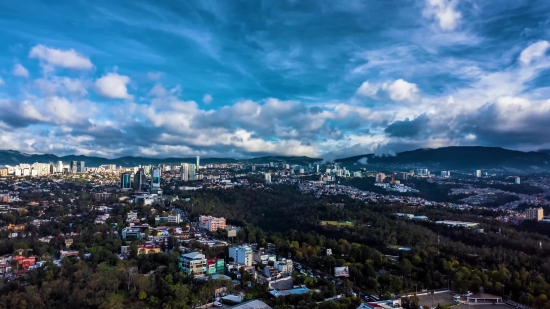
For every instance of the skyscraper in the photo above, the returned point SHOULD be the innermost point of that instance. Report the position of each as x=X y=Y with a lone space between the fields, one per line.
x=517 y=181
x=198 y=163
x=73 y=167
x=478 y=173
x=125 y=181
x=139 y=177
x=184 y=172
x=192 y=172
x=534 y=214
x=317 y=168
x=80 y=167
x=155 y=178
x=60 y=167
x=267 y=177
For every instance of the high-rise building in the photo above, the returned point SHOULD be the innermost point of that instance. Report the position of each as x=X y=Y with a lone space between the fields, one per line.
x=139 y=178
x=147 y=169
x=534 y=214
x=423 y=172
x=380 y=177
x=184 y=172
x=60 y=167
x=517 y=181
x=155 y=178
x=445 y=174
x=73 y=167
x=80 y=167
x=198 y=163
x=478 y=173
x=317 y=168
x=270 y=164
x=267 y=177
x=188 y=172
x=125 y=181
x=253 y=168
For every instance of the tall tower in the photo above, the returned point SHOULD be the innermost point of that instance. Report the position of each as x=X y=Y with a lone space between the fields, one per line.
x=155 y=178
x=138 y=179
x=198 y=163
x=184 y=172
x=60 y=167
x=125 y=181
x=73 y=167
x=80 y=167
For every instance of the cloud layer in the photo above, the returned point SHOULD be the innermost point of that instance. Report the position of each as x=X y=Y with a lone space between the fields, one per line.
x=313 y=78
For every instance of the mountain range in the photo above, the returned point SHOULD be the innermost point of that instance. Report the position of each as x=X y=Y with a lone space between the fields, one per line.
x=458 y=157
x=12 y=157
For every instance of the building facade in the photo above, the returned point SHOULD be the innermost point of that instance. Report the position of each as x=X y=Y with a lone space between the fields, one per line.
x=125 y=181
x=212 y=223
x=534 y=214
x=241 y=255
x=193 y=263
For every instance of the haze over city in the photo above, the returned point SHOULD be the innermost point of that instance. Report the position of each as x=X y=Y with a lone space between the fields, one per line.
x=251 y=78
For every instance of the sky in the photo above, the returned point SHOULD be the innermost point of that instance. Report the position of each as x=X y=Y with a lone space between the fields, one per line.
x=242 y=79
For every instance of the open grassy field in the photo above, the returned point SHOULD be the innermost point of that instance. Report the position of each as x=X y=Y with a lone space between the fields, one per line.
x=337 y=223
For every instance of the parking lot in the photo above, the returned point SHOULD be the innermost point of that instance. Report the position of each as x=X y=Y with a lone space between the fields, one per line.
x=439 y=298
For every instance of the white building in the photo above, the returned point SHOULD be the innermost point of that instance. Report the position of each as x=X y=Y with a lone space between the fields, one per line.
x=132 y=216
x=517 y=181
x=478 y=173
x=174 y=218
x=267 y=177
x=284 y=266
x=241 y=255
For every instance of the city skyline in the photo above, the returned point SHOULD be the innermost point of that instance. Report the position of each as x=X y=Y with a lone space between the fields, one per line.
x=311 y=78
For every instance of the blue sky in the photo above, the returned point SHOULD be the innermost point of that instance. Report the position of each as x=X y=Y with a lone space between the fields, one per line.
x=250 y=78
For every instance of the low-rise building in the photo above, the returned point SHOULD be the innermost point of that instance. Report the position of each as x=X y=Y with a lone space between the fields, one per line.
x=215 y=266
x=193 y=263
x=241 y=255
x=283 y=266
x=212 y=223
x=132 y=232
x=148 y=249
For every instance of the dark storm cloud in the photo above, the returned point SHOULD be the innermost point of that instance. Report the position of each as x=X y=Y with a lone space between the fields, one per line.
x=407 y=128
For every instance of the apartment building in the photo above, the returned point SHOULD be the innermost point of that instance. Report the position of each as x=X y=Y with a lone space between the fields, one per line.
x=211 y=223
x=534 y=214
x=193 y=263
x=241 y=255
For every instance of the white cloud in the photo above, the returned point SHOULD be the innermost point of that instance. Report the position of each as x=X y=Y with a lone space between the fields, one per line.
x=444 y=11
x=401 y=90
x=113 y=86
x=61 y=58
x=367 y=90
x=19 y=70
x=158 y=91
x=207 y=99
x=154 y=75
x=533 y=52
x=1 y=82
x=54 y=85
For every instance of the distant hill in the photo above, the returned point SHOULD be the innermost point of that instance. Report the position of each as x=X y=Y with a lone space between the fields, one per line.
x=11 y=157
x=459 y=157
